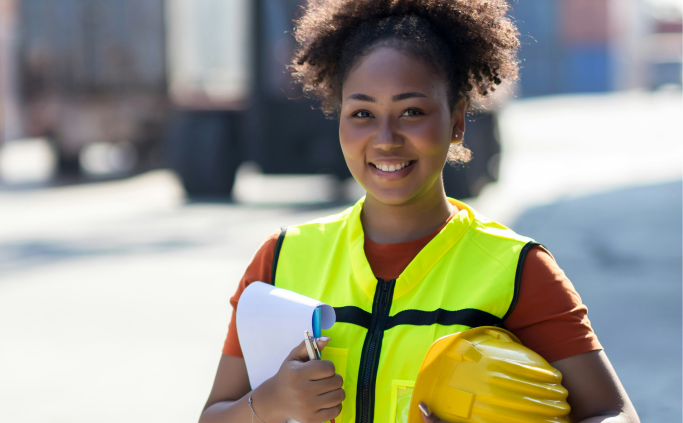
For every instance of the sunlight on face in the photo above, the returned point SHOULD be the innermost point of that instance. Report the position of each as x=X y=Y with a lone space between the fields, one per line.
x=396 y=126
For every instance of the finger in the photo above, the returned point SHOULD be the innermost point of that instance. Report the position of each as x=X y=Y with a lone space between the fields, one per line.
x=330 y=399
x=427 y=415
x=327 y=414
x=328 y=384
x=318 y=369
x=299 y=353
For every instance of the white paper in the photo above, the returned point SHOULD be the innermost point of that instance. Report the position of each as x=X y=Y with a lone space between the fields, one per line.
x=270 y=322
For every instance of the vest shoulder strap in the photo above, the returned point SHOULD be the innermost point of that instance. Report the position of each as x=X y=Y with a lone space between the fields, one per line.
x=518 y=275
x=276 y=253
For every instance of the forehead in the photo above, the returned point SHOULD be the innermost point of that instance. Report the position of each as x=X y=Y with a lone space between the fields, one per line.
x=387 y=71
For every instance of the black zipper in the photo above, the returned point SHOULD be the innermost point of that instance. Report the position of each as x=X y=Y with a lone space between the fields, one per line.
x=369 y=359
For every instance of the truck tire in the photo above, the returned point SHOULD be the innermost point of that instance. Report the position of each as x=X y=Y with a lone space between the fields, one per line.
x=202 y=148
x=68 y=167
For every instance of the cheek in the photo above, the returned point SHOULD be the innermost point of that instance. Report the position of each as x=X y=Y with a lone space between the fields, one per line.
x=431 y=138
x=352 y=143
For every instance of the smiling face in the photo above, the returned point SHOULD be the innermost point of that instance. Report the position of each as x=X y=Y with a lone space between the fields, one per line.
x=396 y=126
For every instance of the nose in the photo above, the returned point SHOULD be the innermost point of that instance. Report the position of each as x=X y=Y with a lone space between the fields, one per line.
x=387 y=138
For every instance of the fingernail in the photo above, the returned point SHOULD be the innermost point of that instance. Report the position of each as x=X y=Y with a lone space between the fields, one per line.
x=424 y=409
x=323 y=339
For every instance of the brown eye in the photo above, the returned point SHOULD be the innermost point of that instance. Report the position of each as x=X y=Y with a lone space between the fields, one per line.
x=364 y=114
x=412 y=113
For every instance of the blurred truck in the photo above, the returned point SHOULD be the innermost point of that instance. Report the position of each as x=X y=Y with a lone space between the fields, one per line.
x=203 y=81
x=89 y=71
x=235 y=102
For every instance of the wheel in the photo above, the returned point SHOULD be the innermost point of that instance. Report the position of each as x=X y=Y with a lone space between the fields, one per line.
x=203 y=149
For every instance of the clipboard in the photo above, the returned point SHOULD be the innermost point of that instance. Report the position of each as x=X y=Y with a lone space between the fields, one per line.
x=270 y=321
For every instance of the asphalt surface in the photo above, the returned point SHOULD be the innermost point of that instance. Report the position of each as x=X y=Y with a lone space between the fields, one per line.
x=114 y=295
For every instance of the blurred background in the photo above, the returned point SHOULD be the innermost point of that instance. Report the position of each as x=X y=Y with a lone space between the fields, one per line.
x=148 y=147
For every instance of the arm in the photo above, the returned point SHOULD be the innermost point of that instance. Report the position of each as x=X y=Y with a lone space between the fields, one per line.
x=551 y=319
x=595 y=392
x=307 y=391
x=230 y=387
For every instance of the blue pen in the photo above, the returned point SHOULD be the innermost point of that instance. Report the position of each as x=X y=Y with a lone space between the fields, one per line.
x=317 y=317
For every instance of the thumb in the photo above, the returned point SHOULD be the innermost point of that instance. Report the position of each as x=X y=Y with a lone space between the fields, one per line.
x=322 y=342
x=427 y=415
x=300 y=353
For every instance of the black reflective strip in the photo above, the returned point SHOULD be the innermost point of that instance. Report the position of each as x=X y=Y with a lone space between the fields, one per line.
x=468 y=317
x=276 y=254
x=354 y=315
x=518 y=275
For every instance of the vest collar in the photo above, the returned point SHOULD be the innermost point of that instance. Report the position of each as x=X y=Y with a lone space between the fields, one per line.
x=421 y=264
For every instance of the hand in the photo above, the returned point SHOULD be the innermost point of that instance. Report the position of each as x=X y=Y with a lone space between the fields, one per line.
x=303 y=390
x=428 y=416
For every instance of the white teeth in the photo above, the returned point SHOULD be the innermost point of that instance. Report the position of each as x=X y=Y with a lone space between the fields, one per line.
x=391 y=168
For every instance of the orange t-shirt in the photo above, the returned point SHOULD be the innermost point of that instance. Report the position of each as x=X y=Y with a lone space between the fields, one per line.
x=549 y=316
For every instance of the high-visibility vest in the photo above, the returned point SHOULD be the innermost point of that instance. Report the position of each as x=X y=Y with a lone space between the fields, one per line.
x=467 y=276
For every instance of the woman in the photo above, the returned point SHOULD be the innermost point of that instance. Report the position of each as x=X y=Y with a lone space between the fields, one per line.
x=407 y=265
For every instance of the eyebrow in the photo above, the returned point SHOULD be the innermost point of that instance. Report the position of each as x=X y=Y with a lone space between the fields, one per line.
x=397 y=97
x=404 y=96
x=361 y=97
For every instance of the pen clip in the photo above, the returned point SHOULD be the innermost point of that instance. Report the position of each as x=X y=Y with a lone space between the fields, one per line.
x=309 y=346
x=317 y=350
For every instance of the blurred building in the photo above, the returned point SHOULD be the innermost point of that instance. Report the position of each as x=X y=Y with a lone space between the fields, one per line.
x=109 y=83
x=78 y=72
x=597 y=45
x=9 y=125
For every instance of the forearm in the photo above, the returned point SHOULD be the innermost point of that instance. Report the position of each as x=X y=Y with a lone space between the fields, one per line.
x=227 y=411
x=239 y=411
x=612 y=418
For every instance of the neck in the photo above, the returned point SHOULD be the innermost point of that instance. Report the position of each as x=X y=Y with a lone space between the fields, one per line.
x=389 y=224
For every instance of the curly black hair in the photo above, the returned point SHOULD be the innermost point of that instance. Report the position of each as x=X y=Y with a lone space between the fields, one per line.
x=470 y=42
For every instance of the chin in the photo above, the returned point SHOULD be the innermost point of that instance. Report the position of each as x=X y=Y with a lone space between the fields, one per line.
x=392 y=197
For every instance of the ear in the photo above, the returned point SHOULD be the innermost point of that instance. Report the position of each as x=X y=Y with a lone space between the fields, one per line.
x=459 y=114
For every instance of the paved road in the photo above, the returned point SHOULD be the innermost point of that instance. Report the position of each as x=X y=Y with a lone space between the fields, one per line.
x=622 y=251
x=114 y=296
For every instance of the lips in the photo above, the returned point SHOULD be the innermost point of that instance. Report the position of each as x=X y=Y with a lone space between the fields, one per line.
x=391 y=171
x=385 y=167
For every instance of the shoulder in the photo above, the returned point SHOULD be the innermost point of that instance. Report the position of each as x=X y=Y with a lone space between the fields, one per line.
x=549 y=316
x=485 y=229
x=327 y=227
x=542 y=277
x=330 y=220
x=497 y=242
x=259 y=269
x=267 y=248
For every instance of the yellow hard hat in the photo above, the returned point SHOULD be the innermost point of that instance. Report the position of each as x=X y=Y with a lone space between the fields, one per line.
x=486 y=375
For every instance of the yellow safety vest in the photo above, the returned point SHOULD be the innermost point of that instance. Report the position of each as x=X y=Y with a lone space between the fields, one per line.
x=467 y=276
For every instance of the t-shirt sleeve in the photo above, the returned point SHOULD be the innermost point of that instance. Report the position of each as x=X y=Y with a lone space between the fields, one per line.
x=550 y=317
x=258 y=270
